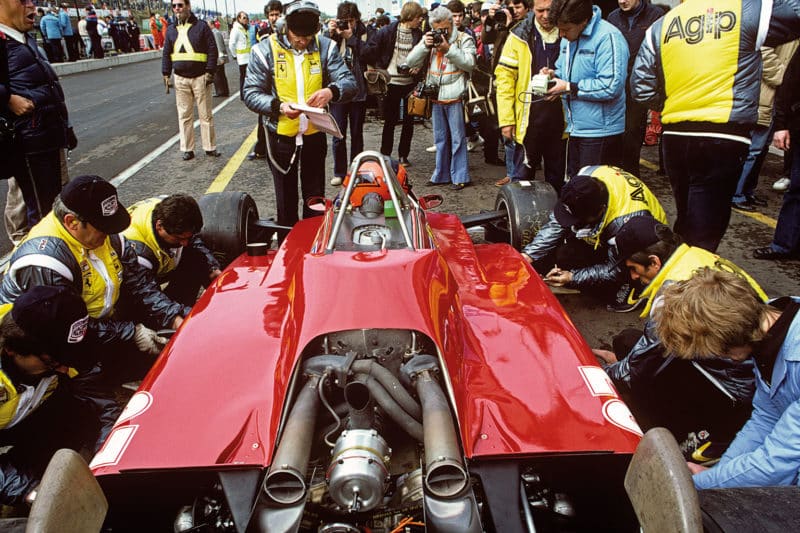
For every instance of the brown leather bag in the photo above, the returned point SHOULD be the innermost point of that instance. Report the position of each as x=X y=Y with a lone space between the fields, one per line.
x=418 y=105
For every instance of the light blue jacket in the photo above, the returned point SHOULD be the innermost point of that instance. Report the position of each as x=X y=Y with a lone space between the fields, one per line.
x=598 y=63
x=766 y=452
x=64 y=22
x=51 y=27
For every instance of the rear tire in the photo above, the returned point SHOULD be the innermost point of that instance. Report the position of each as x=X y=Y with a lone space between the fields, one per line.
x=528 y=206
x=227 y=219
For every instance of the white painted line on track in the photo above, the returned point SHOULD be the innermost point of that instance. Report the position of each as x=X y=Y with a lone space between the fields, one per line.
x=120 y=178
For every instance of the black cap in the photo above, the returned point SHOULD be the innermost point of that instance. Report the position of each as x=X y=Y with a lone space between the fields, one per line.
x=635 y=235
x=581 y=199
x=56 y=315
x=302 y=17
x=95 y=201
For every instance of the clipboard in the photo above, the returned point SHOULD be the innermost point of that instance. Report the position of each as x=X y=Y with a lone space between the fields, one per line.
x=321 y=119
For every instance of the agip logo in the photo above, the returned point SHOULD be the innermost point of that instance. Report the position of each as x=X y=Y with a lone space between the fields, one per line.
x=695 y=29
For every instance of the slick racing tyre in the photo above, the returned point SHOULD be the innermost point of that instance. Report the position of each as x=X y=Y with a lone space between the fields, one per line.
x=227 y=221
x=528 y=205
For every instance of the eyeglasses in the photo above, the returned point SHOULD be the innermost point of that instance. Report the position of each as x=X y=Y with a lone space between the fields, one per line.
x=176 y=5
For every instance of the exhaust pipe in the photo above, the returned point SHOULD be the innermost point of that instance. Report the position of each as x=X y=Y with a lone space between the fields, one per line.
x=446 y=476
x=285 y=483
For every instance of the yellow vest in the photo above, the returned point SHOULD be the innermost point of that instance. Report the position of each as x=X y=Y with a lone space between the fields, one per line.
x=183 y=49
x=286 y=81
x=246 y=49
x=15 y=404
x=141 y=230
x=101 y=269
x=701 y=88
x=682 y=265
x=626 y=194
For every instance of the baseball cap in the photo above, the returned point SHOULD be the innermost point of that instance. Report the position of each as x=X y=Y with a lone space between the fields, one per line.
x=302 y=17
x=581 y=199
x=635 y=235
x=95 y=201
x=486 y=6
x=56 y=315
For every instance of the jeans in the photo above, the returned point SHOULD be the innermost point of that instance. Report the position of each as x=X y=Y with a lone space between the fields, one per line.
x=759 y=146
x=451 y=144
x=515 y=160
x=703 y=172
x=395 y=95
x=584 y=151
x=355 y=112
x=787 y=232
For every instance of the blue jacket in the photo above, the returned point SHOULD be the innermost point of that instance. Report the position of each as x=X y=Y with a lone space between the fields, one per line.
x=766 y=452
x=51 y=26
x=65 y=24
x=597 y=63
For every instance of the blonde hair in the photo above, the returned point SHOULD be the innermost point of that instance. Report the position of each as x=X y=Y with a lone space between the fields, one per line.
x=708 y=314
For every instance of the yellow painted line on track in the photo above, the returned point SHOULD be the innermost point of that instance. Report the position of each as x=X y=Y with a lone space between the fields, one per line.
x=758 y=217
x=764 y=219
x=226 y=174
x=647 y=164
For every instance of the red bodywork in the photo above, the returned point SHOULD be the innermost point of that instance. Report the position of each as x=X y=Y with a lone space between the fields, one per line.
x=523 y=379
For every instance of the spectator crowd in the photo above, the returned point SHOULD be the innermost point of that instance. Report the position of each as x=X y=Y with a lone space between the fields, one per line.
x=556 y=86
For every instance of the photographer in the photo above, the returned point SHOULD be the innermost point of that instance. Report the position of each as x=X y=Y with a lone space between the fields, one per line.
x=348 y=32
x=388 y=49
x=452 y=58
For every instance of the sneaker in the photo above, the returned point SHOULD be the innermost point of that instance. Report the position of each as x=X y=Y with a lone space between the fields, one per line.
x=336 y=181
x=699 y=448
x=625 y=302
x=781 y=185
x=474 y=142
x=431 y=149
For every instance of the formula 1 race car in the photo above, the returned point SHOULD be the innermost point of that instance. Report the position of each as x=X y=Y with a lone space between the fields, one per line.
x=374 y=371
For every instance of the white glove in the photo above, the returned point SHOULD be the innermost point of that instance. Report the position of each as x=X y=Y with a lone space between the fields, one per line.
x=148 y=341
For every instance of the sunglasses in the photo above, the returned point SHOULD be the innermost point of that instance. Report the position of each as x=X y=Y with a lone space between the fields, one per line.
x=176 y=5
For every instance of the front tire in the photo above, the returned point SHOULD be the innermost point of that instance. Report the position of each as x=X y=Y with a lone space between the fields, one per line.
x=227 y=220
x=527 y=205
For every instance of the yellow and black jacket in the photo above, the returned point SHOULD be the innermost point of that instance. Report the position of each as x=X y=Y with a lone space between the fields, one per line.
x=50 y=255
x=152 y=253
x=701 y=62
x=628 y=197
x=272 y=79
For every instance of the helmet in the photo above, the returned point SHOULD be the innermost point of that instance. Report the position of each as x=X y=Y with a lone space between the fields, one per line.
x=302 y=17
x=371 y=180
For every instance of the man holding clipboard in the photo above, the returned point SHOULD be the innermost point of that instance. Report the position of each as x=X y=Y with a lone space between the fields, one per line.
x=290 y=79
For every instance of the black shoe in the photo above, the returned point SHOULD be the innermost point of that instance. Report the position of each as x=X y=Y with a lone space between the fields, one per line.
x=747 y=206
x=757 y=200
x=252 y=156
x=405 y=162
x=771 y=254
x=212 y=153
x=188 y=155
x=437 y=184
x=460 y=186
x=496 y=162
x=625 y=302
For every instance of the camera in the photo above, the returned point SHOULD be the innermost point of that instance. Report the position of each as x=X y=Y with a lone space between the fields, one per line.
x=500 y=20
x=430 y=91
x=404 y=69
x=342 y=24
x=540 y=83
x=438 y=36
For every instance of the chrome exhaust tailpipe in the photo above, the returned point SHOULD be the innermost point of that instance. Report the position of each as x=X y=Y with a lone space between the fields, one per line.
x=449 y=502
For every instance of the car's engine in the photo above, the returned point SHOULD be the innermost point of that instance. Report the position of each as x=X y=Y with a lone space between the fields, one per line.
x=369 y=443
